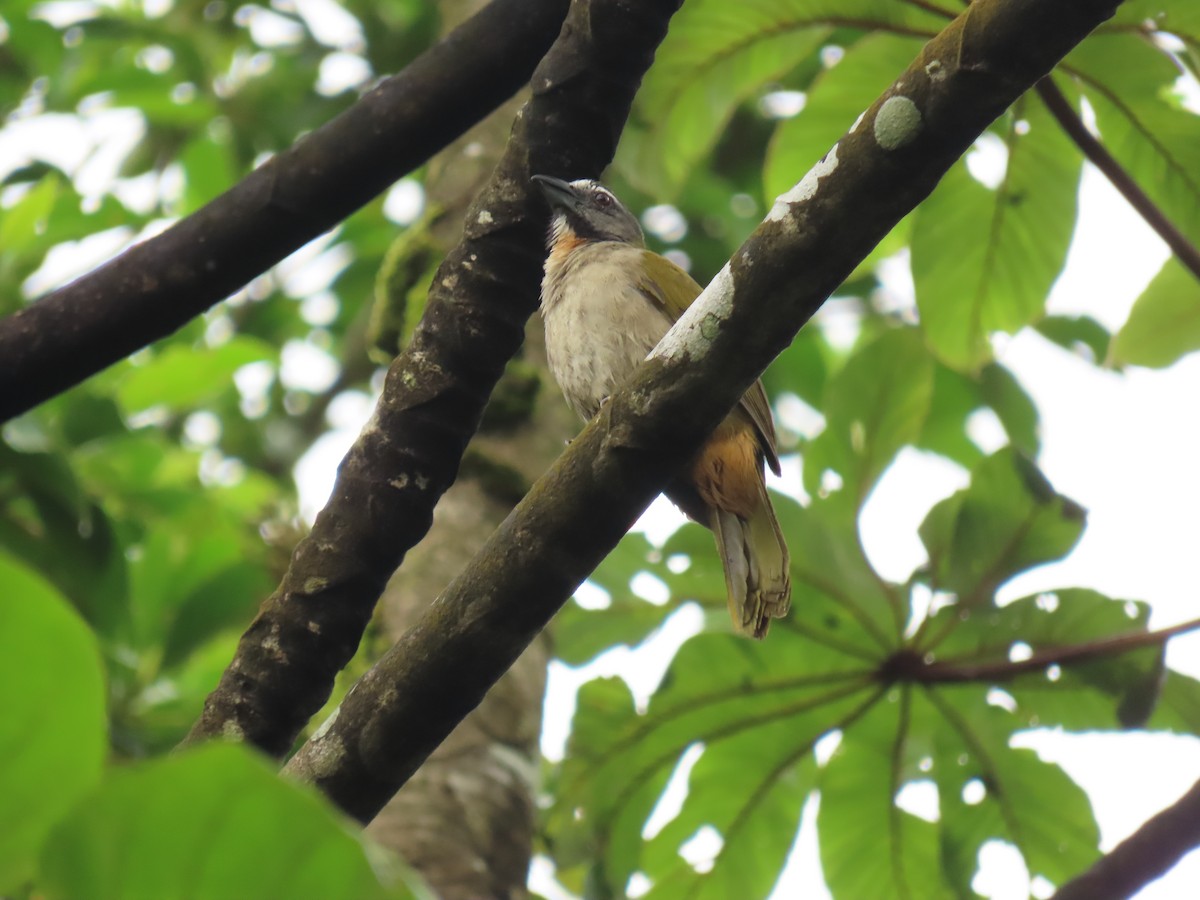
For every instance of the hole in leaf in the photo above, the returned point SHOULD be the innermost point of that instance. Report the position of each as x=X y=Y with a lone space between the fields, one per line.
x=974 y=792
x=702 y=848
x=919 y=798
x=1019 y=652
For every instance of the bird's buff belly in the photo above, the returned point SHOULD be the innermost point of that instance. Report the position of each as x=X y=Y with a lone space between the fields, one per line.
x=594 y=342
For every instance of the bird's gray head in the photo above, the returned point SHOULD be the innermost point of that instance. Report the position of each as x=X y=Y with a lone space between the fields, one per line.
x=587 y=211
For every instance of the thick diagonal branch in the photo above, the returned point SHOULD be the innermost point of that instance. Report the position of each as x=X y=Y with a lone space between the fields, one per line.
x=159 y=285
x=435 y=391
x=1147 y=854
x=812 y=239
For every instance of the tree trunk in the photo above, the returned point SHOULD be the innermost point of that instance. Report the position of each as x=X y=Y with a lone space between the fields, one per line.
x=465 y=821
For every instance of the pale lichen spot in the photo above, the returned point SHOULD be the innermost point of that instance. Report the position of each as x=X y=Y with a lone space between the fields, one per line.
x=422 y=481
x=806 y=188
x=271 y=645
x=327 y=724
x=897 y=123
x=232 y=731
x=699 y=323
x=326 y=757
x=314 y=584
x=400 y=482
x=314 y=627
x=484 y=217
x=450 y=282
x=935 y=70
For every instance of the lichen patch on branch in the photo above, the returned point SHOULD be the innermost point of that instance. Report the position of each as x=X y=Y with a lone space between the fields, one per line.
x=699 y=325
x=806 y=188
x=897 y=123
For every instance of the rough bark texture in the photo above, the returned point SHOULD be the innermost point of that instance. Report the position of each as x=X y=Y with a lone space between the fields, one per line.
x=435 y=391
x=812 y=239
x=159 y=285
x=466 y=819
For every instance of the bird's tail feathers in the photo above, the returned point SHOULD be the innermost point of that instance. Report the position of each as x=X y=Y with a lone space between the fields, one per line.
x=756 y=563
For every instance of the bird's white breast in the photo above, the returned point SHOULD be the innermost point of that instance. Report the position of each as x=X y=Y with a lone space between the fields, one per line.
x=599 y=326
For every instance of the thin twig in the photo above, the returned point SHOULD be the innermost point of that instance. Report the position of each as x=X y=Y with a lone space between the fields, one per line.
x=1099 y=156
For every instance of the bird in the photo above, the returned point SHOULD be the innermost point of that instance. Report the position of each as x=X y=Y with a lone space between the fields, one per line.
x=606 y=301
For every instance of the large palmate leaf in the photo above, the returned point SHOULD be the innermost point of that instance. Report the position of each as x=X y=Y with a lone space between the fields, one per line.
x=717 y=689
x=858 y=786
x=52 y=733
x=756 y=828
x=1102 y=690
x=718 y=54
x=988 y=790
x=983 y=259
x=247 y=833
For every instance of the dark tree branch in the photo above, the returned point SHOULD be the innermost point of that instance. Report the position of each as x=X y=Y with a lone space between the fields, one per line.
x=1147 y=854
x=812 y=239
x=159 y=285
x=910 y=667
x=474 y=320
x=1099 y=156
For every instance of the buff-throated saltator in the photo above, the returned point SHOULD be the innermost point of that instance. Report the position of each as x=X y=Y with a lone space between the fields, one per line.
x=606 y=302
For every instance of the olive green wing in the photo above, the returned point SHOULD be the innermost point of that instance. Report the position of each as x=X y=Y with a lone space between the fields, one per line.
x=672 y=290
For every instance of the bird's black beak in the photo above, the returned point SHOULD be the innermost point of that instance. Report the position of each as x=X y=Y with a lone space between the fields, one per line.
x=559 y=193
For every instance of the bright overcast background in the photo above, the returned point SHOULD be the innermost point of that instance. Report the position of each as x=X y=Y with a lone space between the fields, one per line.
x=1125 y=446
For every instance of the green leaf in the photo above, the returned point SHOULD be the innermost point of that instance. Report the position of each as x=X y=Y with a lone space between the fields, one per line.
x=180 y=377
x=209 y=170
x=836 y=97
x=581 y=634
x=246 y=833
x=22 y=222
x=983 y=260
x=224 y=600
x=1013 y=407
x=871 y=849
x=838 y=600
x=1082 y=335
x=714 y=57
x=1079 y=696
x=757 y=826
x=1032 y=804
x=1008 y=520
x=1178 y=707
x=1164 y=324
x=52 y=734
x=1130 y=85
x=955 y=397
x=53 y=519
x=874 y=406
x=1182 y=19
x=718 y=688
